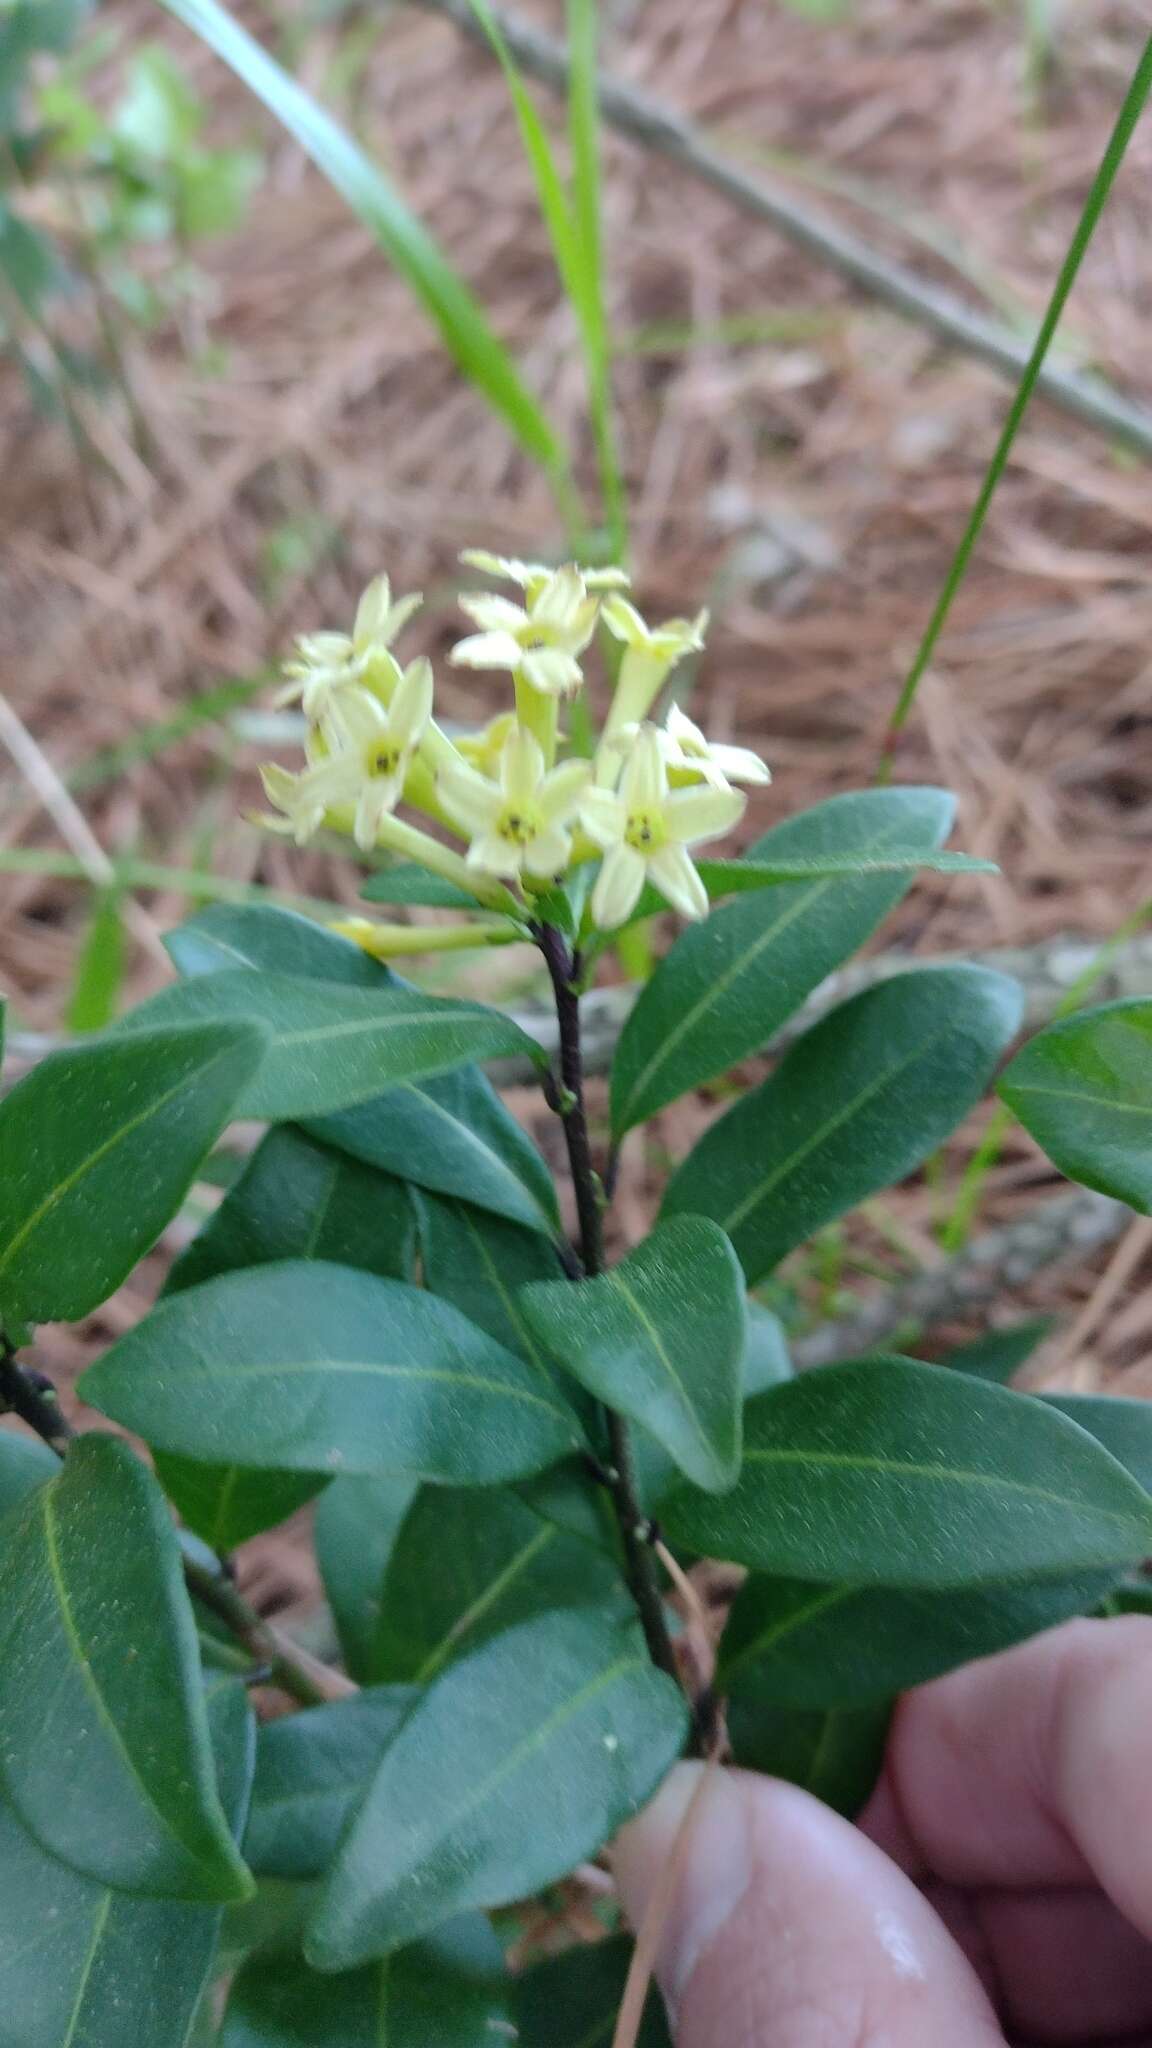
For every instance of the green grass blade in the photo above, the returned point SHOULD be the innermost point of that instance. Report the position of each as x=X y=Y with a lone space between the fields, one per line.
x=195 y=883
x=100 y=971
x=584 y=137
x=1130 y=112
x=470 y=340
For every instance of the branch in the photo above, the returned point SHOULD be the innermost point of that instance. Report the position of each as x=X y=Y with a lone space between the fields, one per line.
x=1069 y=1227
x=1047 y=973
x=661 y=129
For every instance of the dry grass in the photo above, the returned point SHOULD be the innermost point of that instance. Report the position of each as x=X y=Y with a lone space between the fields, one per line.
x=813 y=487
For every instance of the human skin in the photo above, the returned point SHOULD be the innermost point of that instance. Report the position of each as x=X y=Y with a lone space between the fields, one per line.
x=998 y=1887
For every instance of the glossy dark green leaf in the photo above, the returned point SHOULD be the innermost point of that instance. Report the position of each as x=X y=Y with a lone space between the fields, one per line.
x=737 y=877
x=661 y=1338
x=451 y=1134
x=835 y=1753
x=84 y=1966
x=765 y=1364
x=1083 y=1087
x=100 y=1685
x=448 y=1991
x=479 y=1262
x=999 y=1354
x=298 y=1199
x=573 y=2000
x=237 y=935
x=518 y=1762
x=25 y=1464
x=355 y=1528
x=1123 y=1426
x=454 y=1136
x=856 y=1104
x=568 y=1497
x=408 y=882
x=329 y=1046
x=798 y=1644
x=889 y=1472
x=467 y=1563
x=730 y=982
x=312 y=1770
x=226 y=1504
x=309 y=1367
x=98 y=1146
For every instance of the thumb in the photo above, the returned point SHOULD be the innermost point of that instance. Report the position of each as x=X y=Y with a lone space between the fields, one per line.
x=788 y=1929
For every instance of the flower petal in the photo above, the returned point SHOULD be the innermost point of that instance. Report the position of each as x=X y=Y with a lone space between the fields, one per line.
x=559 y=795
x=695 y=814
x=486 y=650
x=618 y=887
x=548 y=852
x=411 y=706
x=495 y=855
x=353 y=717
x=677 y=879
x=491 y=613
x=471 y=801
x=561 y=598
x=624 y=621
x=740 y=764
x=644 y=783
x=550 y=670
x=603 y=817
x=521 y=766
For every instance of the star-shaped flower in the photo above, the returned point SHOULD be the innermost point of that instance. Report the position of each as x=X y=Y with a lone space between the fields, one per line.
x=538 y=640
x=646 y=829
x=359 y=760
x=517 y=825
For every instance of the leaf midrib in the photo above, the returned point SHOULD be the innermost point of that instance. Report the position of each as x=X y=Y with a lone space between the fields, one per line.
x=482 y=1605
x=651 y=1331
x=1108 y=1102
x=210 y=1376
x=914 y=1469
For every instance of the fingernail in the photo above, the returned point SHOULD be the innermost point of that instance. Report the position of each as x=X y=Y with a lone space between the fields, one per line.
x=713 y=1875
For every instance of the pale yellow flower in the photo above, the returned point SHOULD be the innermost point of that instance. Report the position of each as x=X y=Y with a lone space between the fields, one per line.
x=532 y=576
x=482 y=749
x=685 y=748
x=645 y=830
x=539 y=640
x=325 y=663
x=517 y=825
x=359 y=761
x=650 y=655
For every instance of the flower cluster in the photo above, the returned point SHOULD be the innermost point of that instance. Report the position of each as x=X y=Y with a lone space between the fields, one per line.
x=649 y=792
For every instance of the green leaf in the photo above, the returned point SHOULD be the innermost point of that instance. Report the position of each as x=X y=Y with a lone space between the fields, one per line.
x=100 y=970
x=479 y=1262
x=661 y=1338
x=99 y=1144
x=453 y=1136
x=573 y=2000
x=1124 y=1427
x=467 y=1563
x=522 y=1759
x=1083 y=1087
x=25 y=1464
x=298 y=1199
x=765 y=1364
x=312 y=1770
x=238 y=935
x=86 y=1966
x=857 y=1103
x=309 y=1367
x=226 y=1504
x=408 y=882
x=737 y=877
x=327 y=1047
x=356 y=1525
x=100 y=1686
x=730 y=982
x=466 y=333
x=999 y=1354
x=449 y=1991
x=834 y=1753
x=796 y=1644
x=889 y=1472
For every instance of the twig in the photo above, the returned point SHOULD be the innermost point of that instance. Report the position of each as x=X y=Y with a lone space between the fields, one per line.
x=1119 y=1270
x=659 y=128
x=997 y=1263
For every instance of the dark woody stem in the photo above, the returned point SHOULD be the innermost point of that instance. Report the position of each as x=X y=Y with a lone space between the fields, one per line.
x=568 y=1101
